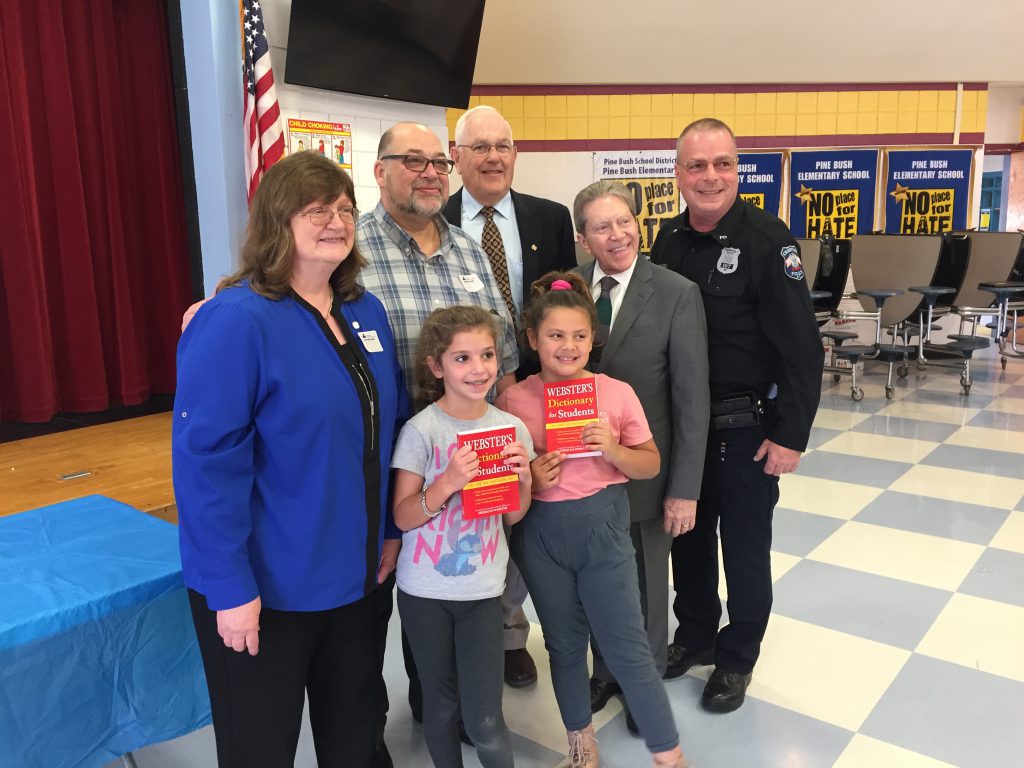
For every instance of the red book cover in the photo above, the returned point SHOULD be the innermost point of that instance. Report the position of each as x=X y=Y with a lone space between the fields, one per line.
x=568 y=407
x=496 y=489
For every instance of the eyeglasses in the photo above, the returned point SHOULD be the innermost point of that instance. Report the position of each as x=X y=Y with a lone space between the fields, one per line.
x=721 y=165
x=419 y=163
x=321 y=217
x=482 y=150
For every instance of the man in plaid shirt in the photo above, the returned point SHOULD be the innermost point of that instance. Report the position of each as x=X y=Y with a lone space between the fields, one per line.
x=418 y=262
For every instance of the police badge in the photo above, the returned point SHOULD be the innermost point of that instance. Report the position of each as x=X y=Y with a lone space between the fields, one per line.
x=791 y=262
x=728 y=261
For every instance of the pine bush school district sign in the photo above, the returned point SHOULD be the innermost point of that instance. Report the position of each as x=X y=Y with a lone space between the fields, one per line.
x=760 y=179
x=649 y=175
x=927 y=191
x=833 y=192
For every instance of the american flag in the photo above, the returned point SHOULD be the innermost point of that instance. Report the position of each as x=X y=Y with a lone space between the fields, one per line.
x=264 y=139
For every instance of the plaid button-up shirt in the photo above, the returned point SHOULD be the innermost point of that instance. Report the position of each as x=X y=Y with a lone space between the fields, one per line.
x=412 y=284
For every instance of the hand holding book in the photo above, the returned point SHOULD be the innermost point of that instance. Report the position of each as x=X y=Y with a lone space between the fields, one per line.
x=463 y=467
x=517 y=460
x=597 y=436
x=546 y=470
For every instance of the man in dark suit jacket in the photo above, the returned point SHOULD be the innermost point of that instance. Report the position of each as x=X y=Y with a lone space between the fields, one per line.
x=544 y=231
x=536 y=237
x=657 y=343
x=536 y=233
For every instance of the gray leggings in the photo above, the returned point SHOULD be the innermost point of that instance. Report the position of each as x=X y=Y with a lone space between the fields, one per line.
x=578 y=561
x=459 y=653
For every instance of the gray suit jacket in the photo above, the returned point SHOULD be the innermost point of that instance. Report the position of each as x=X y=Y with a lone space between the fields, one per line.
x=658 y=345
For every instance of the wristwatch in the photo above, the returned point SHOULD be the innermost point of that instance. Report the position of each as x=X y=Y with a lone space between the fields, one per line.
x=426 y=511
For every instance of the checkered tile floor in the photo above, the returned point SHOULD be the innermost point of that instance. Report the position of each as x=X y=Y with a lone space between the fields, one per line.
x=897 y=638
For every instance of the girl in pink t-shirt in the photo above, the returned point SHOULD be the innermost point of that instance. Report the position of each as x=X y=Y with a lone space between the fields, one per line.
x=574 y=548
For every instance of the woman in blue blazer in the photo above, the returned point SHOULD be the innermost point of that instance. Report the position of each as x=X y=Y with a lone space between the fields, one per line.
x=288 y=395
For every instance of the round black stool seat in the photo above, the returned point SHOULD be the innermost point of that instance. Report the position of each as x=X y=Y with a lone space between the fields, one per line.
x=931 y=293
x=839 y=336
x=1002 y=289
x=993 y=326
x=932 y=290
x=879 y=295
x=854 y=351
x=966 y=343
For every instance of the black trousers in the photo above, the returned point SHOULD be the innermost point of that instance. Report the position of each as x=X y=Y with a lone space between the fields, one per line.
x=739 y=498
x=257 y=701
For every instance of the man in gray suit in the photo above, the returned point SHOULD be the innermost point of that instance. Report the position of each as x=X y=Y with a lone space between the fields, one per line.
x=655 y=339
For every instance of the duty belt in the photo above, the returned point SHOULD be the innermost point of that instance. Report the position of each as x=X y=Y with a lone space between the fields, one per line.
x=735 y=411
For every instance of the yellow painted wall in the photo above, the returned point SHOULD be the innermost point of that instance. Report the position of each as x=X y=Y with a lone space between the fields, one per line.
x=785 y=113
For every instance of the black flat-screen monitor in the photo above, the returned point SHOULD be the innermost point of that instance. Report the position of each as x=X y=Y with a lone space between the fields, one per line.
x=422 y=51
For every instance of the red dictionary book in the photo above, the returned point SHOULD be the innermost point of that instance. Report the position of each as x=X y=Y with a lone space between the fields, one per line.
x=496 y=489
x=568 y=407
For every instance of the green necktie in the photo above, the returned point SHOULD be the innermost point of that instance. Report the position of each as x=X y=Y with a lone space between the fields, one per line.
x=604 y=308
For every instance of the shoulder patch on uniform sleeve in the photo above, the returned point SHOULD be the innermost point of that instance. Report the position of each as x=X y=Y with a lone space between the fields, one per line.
x=791 y=262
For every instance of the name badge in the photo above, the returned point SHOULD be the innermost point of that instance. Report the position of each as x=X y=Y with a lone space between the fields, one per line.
x=728 y=260
x=370 y=341
x=471 y=282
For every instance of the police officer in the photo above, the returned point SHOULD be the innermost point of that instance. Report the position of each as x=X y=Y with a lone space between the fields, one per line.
x=765 y=359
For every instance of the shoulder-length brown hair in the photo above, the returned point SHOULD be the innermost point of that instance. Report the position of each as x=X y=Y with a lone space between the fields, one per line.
x=268 y=254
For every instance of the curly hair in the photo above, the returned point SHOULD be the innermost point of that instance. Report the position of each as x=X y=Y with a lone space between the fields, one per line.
x=543 y=299
x=436 y=337
x=268 y=254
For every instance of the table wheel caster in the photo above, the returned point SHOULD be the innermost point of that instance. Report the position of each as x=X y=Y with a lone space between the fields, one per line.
x=857 y=393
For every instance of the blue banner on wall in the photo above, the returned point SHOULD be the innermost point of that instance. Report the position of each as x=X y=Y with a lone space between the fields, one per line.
x=833 y=192
x=760 y=176
x=927 y=190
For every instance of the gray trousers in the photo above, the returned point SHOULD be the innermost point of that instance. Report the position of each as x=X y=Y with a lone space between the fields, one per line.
x=513 y=617
x=653 y=547
x=457 y=647
x=578 y=560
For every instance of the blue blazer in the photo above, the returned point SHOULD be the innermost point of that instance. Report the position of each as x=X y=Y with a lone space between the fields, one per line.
x=280 y=470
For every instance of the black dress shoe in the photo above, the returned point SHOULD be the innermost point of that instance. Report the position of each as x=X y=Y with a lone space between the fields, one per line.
x=463 y=735
x=600 y=692
x=681 y=660
x=520 y=671
x=725 y=691
x=631 y=723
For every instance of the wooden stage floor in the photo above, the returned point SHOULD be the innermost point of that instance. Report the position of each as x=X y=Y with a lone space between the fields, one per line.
x=127 y=460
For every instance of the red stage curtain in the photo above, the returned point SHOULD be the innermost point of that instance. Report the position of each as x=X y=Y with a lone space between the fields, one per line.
x=93 y=252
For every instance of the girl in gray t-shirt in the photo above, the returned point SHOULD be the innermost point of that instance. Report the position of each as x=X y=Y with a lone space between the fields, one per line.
x=451 y=571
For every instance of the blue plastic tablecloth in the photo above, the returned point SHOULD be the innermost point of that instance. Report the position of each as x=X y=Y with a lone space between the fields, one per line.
x=98 y=656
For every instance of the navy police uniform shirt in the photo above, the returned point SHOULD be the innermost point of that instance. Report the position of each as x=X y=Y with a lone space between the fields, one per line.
x=761 y=326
